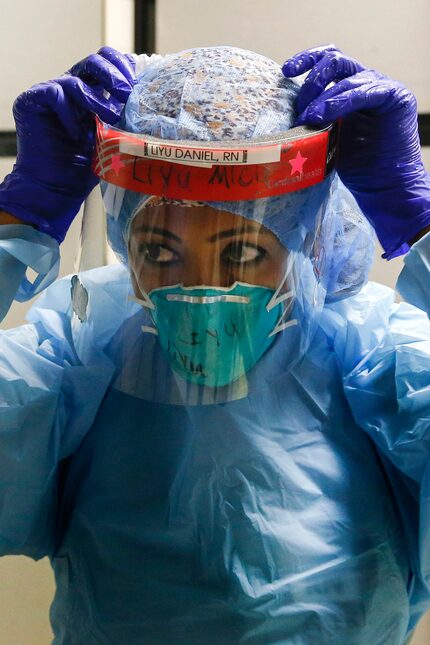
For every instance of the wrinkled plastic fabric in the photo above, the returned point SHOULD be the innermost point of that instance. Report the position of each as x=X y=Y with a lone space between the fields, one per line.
x=296 y=514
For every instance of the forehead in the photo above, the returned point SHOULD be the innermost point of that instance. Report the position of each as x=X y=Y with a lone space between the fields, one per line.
x=182 y=219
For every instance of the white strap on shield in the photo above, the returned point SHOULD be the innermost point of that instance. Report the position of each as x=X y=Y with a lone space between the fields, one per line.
x=281 y=298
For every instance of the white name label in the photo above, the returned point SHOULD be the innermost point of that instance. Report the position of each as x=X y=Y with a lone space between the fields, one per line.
x=198 y=156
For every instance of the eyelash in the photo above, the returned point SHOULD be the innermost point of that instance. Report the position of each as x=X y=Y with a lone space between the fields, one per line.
x=151 y=246
x=243 y=245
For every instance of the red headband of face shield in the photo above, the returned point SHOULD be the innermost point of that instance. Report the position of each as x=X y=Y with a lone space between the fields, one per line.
x=214 y=171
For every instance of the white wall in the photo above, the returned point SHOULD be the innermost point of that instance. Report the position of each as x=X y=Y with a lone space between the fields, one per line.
x=391 y=36
x=40 y=40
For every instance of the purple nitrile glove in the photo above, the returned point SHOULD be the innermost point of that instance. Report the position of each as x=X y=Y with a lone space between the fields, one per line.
x=56 y=133
x=379 y=150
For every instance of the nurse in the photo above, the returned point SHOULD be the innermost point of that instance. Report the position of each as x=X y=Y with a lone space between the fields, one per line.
x=223 y=438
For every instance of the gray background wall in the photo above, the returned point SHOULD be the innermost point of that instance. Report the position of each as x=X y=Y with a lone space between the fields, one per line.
x=42 y=39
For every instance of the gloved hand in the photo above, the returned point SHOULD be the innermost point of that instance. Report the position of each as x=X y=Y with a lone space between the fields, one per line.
x=379 y=150
x=56 y=133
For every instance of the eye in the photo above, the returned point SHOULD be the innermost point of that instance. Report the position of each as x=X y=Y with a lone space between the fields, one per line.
x=241 y=253
x=157 y=253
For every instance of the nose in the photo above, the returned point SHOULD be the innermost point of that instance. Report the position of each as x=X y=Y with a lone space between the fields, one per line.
x=202 y=269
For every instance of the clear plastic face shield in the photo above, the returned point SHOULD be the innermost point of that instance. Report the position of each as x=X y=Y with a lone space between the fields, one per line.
x=222 y=249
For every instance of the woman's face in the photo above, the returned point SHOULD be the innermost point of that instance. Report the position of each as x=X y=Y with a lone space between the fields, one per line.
x=199 y=245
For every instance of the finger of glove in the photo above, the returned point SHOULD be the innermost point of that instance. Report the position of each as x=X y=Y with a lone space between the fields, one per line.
x=47 y=99
x=370 y=96
x=91 y=99
x=305 y=60
x=334 y=66
x=125 y=63
x=363 y=79
x=96 y=70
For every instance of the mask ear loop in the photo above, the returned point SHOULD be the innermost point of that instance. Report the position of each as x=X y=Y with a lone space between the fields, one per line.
x=148 y=304
x=279 y=298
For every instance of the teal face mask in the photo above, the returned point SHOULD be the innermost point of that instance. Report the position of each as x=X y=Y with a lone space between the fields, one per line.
x=212 y=335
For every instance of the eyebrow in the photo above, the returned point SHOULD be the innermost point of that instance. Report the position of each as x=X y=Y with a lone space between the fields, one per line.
x=237 y=231
x=164 y=232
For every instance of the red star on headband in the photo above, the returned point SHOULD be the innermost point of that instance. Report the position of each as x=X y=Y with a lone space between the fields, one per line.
x=117 y=164
x=297 y=163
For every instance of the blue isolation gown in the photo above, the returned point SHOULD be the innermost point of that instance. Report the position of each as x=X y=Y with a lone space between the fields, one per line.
x=297 y=514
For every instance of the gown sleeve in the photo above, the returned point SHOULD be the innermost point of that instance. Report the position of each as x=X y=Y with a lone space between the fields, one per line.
x=23 y=248
x=44 y=410
x=383 y=349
